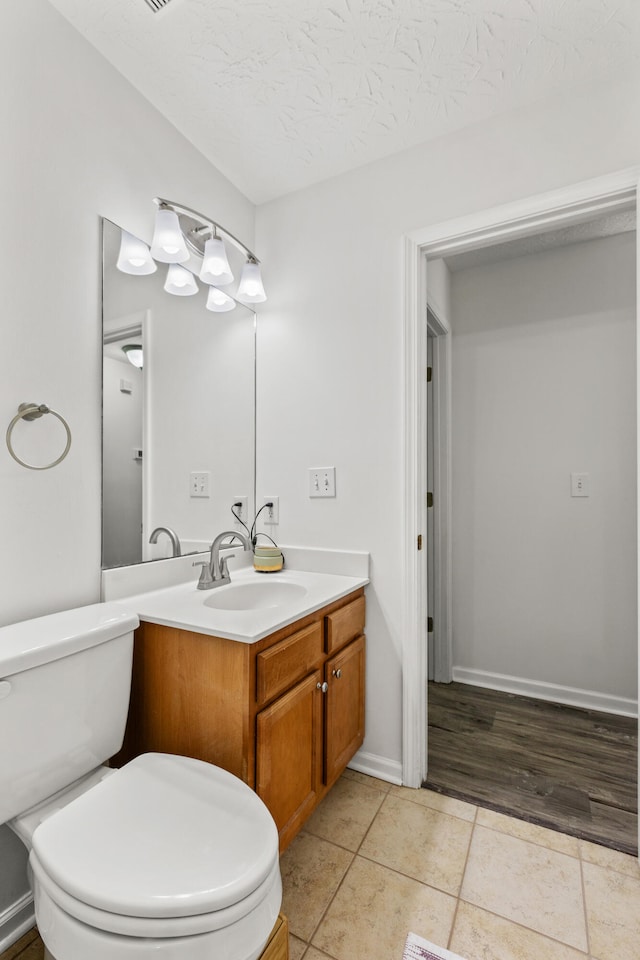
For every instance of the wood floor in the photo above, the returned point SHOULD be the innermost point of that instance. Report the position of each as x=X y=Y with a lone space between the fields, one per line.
x=569 y=769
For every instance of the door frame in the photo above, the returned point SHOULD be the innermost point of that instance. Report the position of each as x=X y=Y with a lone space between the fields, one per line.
x=521 y=218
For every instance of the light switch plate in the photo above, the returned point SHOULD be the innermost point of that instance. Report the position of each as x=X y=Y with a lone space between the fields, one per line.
x=322 y=481
x=579 y=484
x=199 y=484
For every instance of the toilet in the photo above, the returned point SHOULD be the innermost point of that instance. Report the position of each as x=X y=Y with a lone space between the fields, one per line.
x=167 y=857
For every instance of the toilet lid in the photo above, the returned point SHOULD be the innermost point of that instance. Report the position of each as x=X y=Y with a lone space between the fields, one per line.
x=165 y=836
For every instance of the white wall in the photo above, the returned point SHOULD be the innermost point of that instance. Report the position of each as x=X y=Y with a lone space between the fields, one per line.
x=544 y=383
x=330 y=388
x=78 y=142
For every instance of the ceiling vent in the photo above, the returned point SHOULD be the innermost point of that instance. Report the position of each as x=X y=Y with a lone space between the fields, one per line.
x=157 y=5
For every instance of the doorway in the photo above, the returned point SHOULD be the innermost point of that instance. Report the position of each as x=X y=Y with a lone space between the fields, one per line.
x=544 y=381
x=562 y=208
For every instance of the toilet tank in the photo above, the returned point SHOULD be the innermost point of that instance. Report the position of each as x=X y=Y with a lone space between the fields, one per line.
x=64 y=695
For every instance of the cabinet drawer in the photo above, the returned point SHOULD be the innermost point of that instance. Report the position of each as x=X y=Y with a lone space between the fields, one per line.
x=283 y=664
x=345 y=624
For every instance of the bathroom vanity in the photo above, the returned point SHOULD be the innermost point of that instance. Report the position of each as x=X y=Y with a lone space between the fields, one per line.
x=285 y=712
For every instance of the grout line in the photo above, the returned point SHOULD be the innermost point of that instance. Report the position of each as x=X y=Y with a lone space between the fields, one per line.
x=523 y=926
x=464 y=870
x=584 y=907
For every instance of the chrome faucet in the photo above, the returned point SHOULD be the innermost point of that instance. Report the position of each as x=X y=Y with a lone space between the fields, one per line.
x=214 y=571
x=173 y=536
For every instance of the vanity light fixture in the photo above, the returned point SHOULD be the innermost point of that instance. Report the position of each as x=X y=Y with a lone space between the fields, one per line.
x=134 y=256
x=250 y=288
x=183 y=235
x=215 y=265
x=219 y=301
x=180 y=281
x=168 y=245
x=133 y=353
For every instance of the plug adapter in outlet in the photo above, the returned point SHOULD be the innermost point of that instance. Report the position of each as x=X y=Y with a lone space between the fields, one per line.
x=271 y=514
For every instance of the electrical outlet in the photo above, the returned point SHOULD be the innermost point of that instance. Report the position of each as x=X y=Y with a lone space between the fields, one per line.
x=241 y=512
x=271 y=514
x=199 y=484
x=322 y=481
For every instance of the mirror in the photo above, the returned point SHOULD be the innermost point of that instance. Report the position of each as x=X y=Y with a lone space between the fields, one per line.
x=178 y=435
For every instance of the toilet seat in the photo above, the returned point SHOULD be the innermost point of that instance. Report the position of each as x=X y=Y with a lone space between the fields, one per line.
x=167 y=846
x=267 y=896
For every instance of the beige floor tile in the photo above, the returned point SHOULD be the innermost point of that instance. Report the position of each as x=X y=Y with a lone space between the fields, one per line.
x=613 y=913
x=437 y=801
x=561 y=842
x=374 y=910
x=419 y=842
x=613 y=859
x=383 y=785
x=311 y=873
x=314 y=954
x=346 y=813
x=296 y=948
x=529 y=884
x=480 y=935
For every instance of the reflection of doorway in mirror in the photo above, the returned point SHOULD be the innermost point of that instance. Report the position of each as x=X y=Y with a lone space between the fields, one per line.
x=122 y=414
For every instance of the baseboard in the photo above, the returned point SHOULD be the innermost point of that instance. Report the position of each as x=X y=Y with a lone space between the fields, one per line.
x=16 y=920
x=539 y=690
x=375 y=766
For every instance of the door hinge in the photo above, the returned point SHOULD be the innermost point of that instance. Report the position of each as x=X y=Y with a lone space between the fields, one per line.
x=429 y=624
x=429 y=499
x=419 y=541
x=429 y=374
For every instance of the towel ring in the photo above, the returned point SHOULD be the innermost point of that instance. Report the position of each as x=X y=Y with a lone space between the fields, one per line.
x=33 y=411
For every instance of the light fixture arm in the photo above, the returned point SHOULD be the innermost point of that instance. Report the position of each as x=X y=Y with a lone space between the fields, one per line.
x=202 y=225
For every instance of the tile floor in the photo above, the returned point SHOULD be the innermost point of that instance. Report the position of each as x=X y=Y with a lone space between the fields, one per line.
x=376 y=861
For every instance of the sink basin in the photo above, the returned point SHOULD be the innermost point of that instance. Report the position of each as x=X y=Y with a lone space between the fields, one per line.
x=255 y=596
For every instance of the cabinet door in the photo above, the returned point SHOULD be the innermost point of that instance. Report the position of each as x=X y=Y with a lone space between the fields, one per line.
x=344 y=708
x=289 y=755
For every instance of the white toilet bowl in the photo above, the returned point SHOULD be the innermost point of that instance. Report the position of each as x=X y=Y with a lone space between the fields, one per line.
x=168 y=857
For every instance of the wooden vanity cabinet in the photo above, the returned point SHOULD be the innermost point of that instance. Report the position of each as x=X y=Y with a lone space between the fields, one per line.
x=285 y=714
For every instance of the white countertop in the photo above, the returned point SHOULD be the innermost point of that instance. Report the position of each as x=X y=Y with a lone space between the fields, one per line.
x=183 y=606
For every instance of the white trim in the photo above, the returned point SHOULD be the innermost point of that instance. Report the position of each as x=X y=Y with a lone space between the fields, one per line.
x=533 y=214
x=541 y=690
x=414 y=632
x=375 y=766
x=25 y=906
x=571 y=204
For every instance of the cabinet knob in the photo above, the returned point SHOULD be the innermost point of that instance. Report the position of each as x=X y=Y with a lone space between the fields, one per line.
x=322 y=686
x=337 y=673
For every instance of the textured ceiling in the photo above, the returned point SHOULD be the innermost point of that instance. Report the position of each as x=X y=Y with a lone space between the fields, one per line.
x=279 y=94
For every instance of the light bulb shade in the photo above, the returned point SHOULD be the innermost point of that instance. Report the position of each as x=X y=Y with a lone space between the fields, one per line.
x=250 y=289
x=133 y=353
x=215 y=266
x=168 y=244
x=218 y=301
x=180 y=281
x=134 y=256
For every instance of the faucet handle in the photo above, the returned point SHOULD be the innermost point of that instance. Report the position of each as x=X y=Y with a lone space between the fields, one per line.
x=206 y=579
x=224 y=570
